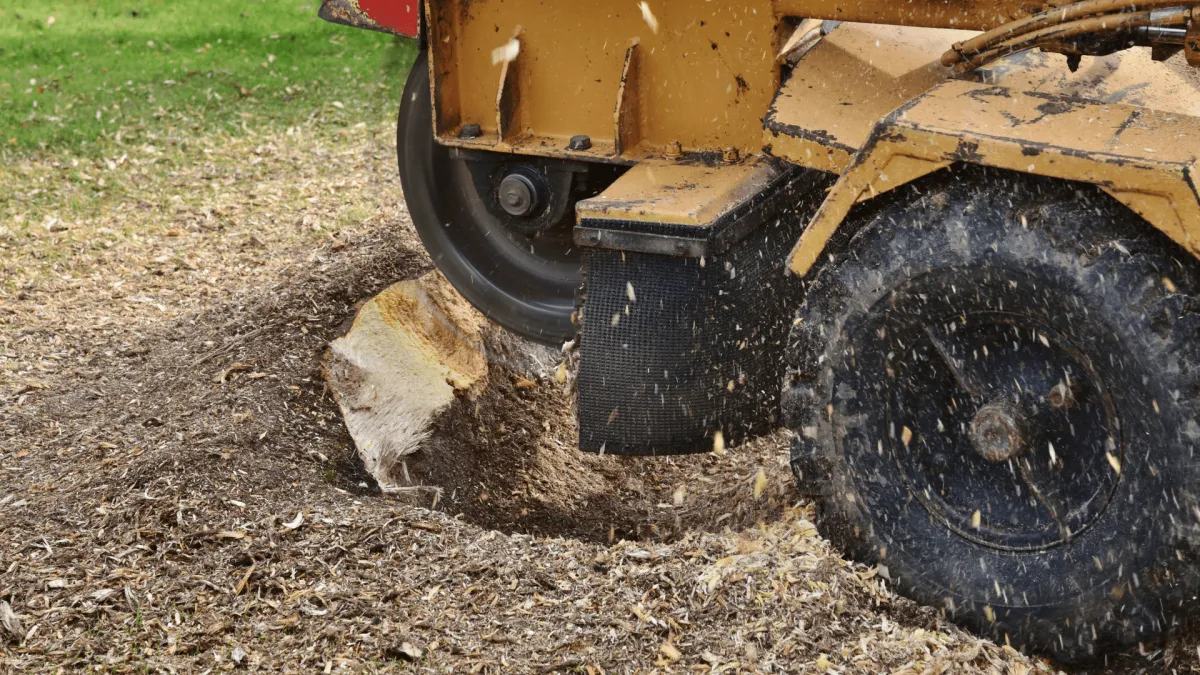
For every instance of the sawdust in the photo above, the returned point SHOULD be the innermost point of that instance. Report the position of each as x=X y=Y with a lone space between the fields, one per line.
x=505 y=457
x=177 y=491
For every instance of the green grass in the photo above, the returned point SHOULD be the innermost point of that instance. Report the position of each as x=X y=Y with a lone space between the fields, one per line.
x=81 y=76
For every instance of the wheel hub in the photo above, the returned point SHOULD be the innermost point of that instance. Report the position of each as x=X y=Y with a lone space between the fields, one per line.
x=999 y=431
x=523 y=271
x=1003 y=460
x=518 y=195
x=992 y=420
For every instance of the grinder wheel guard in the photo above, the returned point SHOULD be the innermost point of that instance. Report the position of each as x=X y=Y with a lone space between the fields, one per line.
x=674 y=349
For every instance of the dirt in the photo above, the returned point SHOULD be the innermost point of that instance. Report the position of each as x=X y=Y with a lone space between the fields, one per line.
x=507 y=460
x=177 y=492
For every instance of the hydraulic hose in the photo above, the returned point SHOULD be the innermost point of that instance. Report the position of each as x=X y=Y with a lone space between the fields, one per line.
x=966 y=49
x=1096 y=24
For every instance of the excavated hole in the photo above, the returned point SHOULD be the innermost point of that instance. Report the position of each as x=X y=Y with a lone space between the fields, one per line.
x=506 y=458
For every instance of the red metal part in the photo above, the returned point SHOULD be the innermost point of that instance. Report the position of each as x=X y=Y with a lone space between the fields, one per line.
x=399 y=17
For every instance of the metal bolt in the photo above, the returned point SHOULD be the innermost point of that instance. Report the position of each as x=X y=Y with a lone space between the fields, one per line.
x=471 y=130
x=674 y=150
x=518 y=195
x=580 y=143
x=730 y=154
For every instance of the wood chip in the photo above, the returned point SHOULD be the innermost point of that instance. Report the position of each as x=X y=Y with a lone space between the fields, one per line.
x=405 y=651
x=11 y=622
x=223 y=376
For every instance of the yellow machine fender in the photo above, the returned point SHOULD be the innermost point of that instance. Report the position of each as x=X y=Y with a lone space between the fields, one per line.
x=874 y=105
x=1145 y=158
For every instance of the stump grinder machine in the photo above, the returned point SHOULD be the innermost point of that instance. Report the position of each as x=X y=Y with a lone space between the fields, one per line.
x=950 y=244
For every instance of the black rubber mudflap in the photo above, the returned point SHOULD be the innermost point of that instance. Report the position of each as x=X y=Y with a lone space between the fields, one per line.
x=673 y=349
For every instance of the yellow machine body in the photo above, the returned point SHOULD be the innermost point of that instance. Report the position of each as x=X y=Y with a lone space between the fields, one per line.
x=690 y=79
x=532 y=75
x=1124 y=123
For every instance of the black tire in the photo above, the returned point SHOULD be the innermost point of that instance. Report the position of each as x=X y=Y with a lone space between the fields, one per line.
x=528 y=291
x=1072 y=553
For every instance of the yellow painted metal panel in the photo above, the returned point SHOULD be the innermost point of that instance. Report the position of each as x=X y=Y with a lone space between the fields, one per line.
x=819 y=120
x=672 y=192
x=705 y=76
x=1129 y=77
x=1145 y=158
x=846 y=83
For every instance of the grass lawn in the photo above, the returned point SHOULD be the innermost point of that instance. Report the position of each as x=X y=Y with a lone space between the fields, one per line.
x=81 y=77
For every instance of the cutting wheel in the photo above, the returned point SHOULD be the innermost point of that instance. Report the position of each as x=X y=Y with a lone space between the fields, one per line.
x=498 y=226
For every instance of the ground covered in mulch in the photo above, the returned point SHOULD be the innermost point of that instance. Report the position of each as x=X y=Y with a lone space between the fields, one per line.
x=177 y=492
